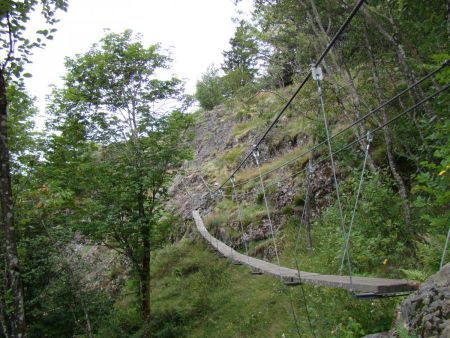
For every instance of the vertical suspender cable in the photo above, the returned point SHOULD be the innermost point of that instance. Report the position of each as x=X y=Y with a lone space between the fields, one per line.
x=346 y=248
x=256 y=156
x=236 y=200
x=445 y=249
x=297 y=265
x=317 y=75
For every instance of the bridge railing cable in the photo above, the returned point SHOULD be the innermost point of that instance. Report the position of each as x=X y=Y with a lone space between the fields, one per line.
x=352 y=124
x=302 y=84
x=318 y=76
x=358 y=194
x=346 y=146
x=296 y=246
x=359 y=139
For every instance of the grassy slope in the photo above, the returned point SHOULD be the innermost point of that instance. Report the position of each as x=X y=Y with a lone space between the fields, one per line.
x=208 y=297
x=197 y=294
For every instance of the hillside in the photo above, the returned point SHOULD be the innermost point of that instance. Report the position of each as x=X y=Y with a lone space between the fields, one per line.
x=320 y=144
x=223 y=136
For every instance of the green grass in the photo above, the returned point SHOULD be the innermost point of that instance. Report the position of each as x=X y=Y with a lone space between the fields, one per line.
x=252 y=213
x=206 y=296
x=241 y=129
x=251 y=174
x=231 y=156
x=197 y=294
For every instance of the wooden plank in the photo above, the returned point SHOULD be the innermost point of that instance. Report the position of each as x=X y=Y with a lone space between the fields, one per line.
x=357 y=284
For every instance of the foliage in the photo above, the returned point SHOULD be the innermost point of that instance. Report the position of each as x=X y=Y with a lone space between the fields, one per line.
x=193 y=288
x=15 y=53
x=109 y=99
x=118 y=134
x=240 y=61
x=379 y=239
x=210 y=91
x=17 y=49
x=432 y=187
x=21 y=136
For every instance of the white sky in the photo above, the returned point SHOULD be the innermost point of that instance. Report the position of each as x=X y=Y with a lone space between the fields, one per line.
x=196 y=32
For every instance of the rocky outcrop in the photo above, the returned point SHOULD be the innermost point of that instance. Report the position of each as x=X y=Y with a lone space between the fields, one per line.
x=97 y=266
x=213 y=137
x=425 y=313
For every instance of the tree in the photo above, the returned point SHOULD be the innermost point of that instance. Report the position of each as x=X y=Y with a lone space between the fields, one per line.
x=210 y=90
x=17 y=50
x=241 y=59
x=112 y=92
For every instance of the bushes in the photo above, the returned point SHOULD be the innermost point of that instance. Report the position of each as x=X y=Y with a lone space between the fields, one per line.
x=214 y=221
x=214 y=89
x=380 y=238
x=210 y=91
x=124 y=319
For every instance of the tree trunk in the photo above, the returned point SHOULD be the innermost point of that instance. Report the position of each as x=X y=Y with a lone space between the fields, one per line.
x=145 y=268
x=324 y=38
x=17 y=316
x=402 y=191
x=401 y=54
x=3 y=326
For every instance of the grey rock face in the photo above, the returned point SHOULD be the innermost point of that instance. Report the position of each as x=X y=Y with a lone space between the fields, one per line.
x=426 y=312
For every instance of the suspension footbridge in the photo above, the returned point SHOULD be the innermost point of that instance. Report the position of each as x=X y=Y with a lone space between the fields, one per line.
x=365 y=285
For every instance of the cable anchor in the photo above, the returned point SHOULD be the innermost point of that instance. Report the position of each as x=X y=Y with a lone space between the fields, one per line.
x=316 y=72
x=233 y=179
x=310 y=169
x=255 y=152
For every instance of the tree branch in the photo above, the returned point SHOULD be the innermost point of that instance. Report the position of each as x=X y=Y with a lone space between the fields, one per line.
x=11 y=42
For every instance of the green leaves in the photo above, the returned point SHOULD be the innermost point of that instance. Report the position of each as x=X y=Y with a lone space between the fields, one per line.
x=14 y=16
x=117 y=146
x=242 y=56
x=114 y=87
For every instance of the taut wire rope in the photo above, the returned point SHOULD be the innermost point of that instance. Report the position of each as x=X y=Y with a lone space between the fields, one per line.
x=358 y=193
x=302 y=84
x=348 y=145
x=236 y=200
x=317 y=75
x=373 y=131
x=297 y=265
x=355 y=122
x=256 y=156
x=445 y=249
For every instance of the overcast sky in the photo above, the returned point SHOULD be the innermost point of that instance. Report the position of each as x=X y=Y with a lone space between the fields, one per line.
x=196 y=32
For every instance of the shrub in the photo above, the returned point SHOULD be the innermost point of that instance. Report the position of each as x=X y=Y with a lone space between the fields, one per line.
x=210 y=90
x=213 y=221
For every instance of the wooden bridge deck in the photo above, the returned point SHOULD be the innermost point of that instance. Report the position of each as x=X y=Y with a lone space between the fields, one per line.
x=369 y=285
